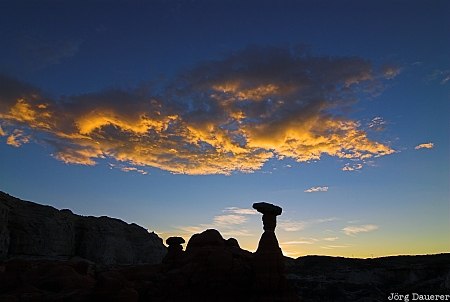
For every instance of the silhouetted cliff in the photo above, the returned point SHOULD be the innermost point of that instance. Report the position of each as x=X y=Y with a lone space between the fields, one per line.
x=31 y=230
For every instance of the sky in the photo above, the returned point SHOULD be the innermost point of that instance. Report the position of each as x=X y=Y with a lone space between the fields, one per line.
x=179 y=115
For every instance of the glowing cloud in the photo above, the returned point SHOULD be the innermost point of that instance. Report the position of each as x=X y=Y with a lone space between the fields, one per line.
x=316 y=189
x=17 y=138
x=224 y=116
x=356 y=229
x=424 y=146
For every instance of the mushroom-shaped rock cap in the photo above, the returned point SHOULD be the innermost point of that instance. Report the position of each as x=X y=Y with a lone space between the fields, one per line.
x=267 y=208
x=175 y=240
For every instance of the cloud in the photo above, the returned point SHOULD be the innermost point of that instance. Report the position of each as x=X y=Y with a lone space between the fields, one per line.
x=443 y=76
x=316 y=189
x=424 y=146
x=350 y=167
x=229 y=219
x=223 y=116
x=301 y=241
x=292 y=226
x=241 y=211
x=128 y=169
x=237 y=233
x=231 y=223
x=332 y=247
x=17 y=138
x=356 y=229
x=390 y=71
x=331 y=238
x=377 y=124
x=323 y=220
x=233 y=216
x=289 y=225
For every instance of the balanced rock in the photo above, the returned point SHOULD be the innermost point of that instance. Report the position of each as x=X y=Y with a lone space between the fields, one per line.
x=174 y=251
x=270 y=213
x=175 y=241
x=267 y=208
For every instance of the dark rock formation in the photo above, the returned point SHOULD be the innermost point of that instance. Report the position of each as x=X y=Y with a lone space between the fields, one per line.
x=214 y=269
x=175 y=251
x=268 y=261
x=323 y=278
x=31 y=230
x=223 y=273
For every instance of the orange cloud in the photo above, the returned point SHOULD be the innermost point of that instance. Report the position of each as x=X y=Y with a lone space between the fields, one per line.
x=424 y=146
x=220 y=117
x=17 y=138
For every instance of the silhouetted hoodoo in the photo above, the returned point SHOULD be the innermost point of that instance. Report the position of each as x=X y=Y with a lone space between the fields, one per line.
x=268 y=261
x=174 y=251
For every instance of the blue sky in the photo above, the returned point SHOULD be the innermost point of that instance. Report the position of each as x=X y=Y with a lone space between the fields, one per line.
x=178 y=115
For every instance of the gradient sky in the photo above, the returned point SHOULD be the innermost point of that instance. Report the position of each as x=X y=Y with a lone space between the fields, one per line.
x=179 y=115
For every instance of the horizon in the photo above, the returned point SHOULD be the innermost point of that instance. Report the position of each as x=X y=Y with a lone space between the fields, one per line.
x=179 y=116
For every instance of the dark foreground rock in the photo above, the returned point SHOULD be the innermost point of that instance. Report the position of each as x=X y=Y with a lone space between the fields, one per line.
x=211 y=269
x=224 y=273
x=30 y=230
x=322 y=278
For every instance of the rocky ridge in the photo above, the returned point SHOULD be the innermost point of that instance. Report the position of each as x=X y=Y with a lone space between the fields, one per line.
x=33 y=231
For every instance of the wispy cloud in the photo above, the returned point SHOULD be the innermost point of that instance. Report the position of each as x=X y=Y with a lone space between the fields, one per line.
x=241 y=211
x=229 y=219
x=223 y=116
x=331 y=238
x=127 y=168
x=316 y=189
x=377 y=124
x=231 y=223
x=301 y=241
x=233 y=216
x=390 y=71
x=292 y=226
x=332 y=247
x=237 y=233
x=424 y=146
x=443 y=76
x=352 y=167
x=289 y=225
x=356 y=229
